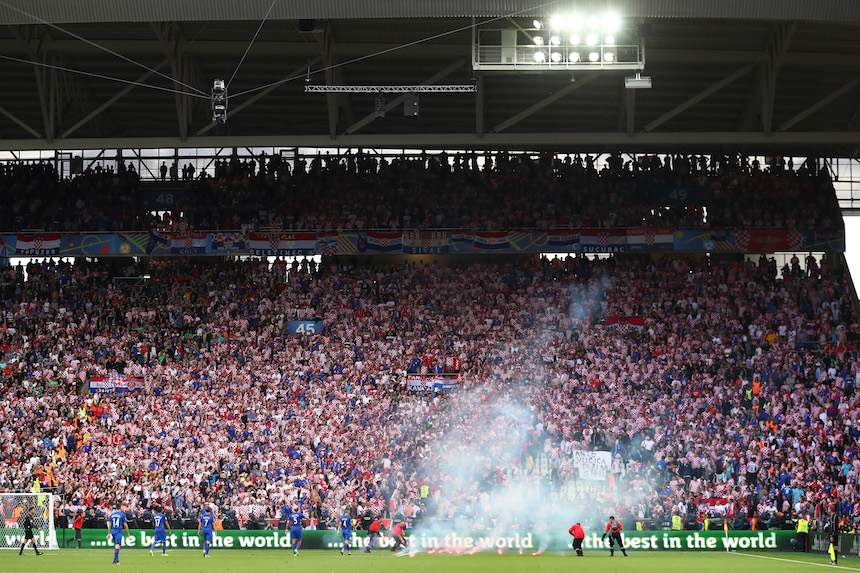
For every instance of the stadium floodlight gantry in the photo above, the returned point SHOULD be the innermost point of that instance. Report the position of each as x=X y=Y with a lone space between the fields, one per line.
x=777 y=76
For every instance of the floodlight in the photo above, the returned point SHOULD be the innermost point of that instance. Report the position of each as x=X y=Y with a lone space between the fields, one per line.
x=611 y=22
x=637 y=83
x=568 y=40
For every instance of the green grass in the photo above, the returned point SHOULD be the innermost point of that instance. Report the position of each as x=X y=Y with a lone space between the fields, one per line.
x=317 y=561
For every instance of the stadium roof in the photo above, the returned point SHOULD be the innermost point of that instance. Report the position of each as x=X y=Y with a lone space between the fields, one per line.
x=764 y=76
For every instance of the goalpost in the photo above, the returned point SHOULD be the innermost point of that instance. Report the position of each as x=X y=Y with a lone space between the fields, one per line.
x=14 y=506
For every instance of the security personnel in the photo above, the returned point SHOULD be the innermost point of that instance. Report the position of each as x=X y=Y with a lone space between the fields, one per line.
x=374 y=532
x=677 y=523
x=578 y=536
x=613 y=528
x=802 y=533
x=832 y=528
x=397 y=532
x=77 y=525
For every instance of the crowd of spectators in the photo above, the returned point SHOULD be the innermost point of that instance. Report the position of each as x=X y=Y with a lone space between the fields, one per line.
x=716 y=394
x=461 y=191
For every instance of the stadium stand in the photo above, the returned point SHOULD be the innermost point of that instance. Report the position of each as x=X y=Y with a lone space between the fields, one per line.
x=486 y=386
x=723 y=388
x=468 y=191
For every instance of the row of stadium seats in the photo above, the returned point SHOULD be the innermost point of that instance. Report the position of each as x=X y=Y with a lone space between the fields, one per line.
x=471 y=192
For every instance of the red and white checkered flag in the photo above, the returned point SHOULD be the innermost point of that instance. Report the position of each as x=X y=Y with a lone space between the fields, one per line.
x=329 y=248
x=795 y=239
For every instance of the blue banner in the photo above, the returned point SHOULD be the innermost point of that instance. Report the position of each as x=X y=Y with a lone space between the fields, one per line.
x=615 y=240
x=7 y=245
x=603 y=240
x=304 y=326
x=650 y=239
x=719 y=240
x=380 y=241
x=562 y=240
x=188 y=243
x=228 y=242
x=827 y=240
x=426 y=242
x=492 y=241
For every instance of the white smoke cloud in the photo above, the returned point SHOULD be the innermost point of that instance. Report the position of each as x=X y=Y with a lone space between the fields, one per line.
x=478 y=453
x=478 y=460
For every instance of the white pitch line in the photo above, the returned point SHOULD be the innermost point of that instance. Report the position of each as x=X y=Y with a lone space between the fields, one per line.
x=798 y=561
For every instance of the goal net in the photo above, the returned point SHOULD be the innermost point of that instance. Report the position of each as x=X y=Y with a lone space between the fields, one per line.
x=14 y=507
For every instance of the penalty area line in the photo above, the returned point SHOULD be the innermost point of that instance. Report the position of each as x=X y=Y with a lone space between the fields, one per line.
x=797 y=561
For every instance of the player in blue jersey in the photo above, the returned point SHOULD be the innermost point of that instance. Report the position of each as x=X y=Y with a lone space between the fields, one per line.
x=205 y=526
x=160 y=522
x=345 y=526
x=116 y=523
x=296 y=521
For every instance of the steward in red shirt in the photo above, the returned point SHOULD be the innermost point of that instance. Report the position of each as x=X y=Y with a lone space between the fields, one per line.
x=613 y=528
x=373 y=533
x=578 y=536
x=398 y=533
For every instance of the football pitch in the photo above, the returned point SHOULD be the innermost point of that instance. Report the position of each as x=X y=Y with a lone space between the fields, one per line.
x=317 y=561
